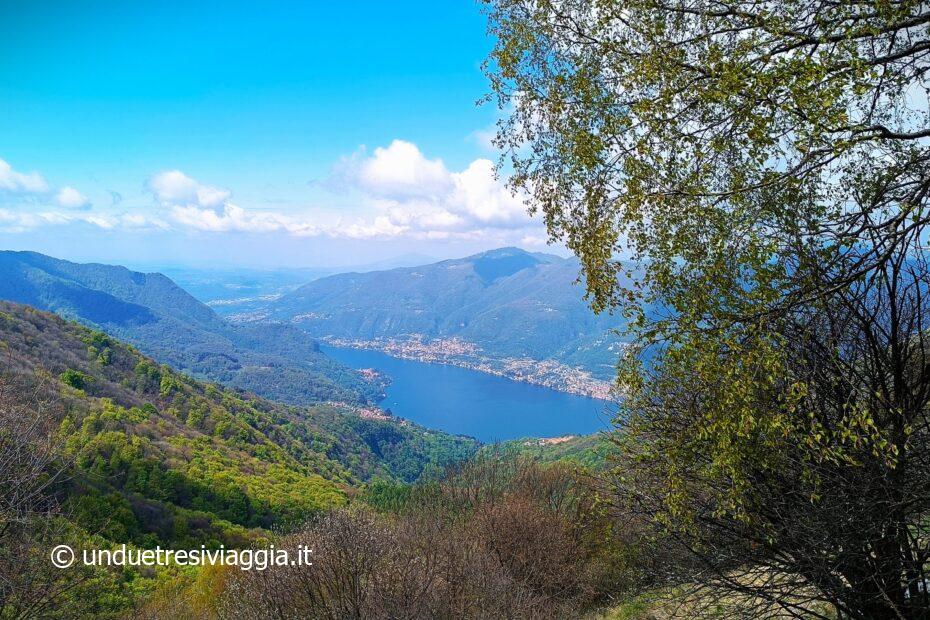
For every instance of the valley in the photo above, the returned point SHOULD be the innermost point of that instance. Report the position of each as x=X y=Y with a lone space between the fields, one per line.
x=539 y=389
x=506 y=312
x=152 y=312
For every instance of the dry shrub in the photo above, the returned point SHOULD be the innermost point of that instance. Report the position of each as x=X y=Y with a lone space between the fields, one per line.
x=534 y=545
x=29 y=471
x=495 y=538
x=369 y=566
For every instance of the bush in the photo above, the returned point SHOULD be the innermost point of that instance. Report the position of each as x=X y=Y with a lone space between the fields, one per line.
x=494 y=538
x=76 y=379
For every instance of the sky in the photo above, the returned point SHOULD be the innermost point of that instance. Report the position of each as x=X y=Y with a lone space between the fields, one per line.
x=274 y=134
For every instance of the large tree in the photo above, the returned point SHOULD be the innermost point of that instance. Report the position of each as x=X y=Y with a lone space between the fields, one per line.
x=767 y=164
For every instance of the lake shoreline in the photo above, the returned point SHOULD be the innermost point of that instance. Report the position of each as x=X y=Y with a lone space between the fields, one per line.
x=463 y=401
x=453 y=352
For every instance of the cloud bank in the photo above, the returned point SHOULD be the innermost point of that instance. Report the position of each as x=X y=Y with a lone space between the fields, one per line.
x=399 y=192
x=402 y=192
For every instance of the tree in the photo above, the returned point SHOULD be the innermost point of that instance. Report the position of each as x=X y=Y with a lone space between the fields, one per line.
x=807 y=488
x=765 y=166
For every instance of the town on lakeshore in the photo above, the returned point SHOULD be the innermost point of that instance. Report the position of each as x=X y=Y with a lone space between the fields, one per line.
x=457 y=352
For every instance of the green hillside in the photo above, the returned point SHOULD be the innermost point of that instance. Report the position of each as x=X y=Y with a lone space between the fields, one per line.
x=177 y=459
x=164 y=321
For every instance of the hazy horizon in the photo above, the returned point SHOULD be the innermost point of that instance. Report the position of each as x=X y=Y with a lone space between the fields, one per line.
x=389 y=261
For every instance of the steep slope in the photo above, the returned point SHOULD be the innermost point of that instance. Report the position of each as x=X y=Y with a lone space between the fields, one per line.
x=164 y=321
x=160 y=457
x=508 y=302
x=152 y=449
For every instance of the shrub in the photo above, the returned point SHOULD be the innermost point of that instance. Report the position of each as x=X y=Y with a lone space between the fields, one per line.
x=494 y=538
x=76 y=379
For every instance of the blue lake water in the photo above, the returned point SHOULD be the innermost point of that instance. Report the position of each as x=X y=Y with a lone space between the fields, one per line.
x=468 y=402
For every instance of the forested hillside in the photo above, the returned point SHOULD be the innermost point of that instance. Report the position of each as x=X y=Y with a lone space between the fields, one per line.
x=164 y=321
x=153 y=445
x=508 y=302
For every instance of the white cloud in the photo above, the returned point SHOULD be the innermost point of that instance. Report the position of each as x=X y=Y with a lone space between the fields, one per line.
x=485 y=138
x=138 y=220
x=400 y=192
x=401 y=171
x=70 y=198
x=404 y=193
x=233 y=218
x=481 y=195
x=194 y=205
x=380 y=227
x=174 y=187
x=31 y=190
x=420 y=196
x=21 y=183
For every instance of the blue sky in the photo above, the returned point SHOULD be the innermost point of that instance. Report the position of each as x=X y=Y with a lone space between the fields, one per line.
x=263 y=134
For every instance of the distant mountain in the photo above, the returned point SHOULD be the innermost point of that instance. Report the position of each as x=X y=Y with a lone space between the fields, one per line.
x=153 y=313
x=237 y=285
x=509 y=302
x=233 y=290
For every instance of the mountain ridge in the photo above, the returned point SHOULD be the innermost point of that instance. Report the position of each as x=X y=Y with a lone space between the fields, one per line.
x=163 y=320
x=510 y=303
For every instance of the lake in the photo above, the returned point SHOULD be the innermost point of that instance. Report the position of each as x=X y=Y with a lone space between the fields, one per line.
x=468 y=402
